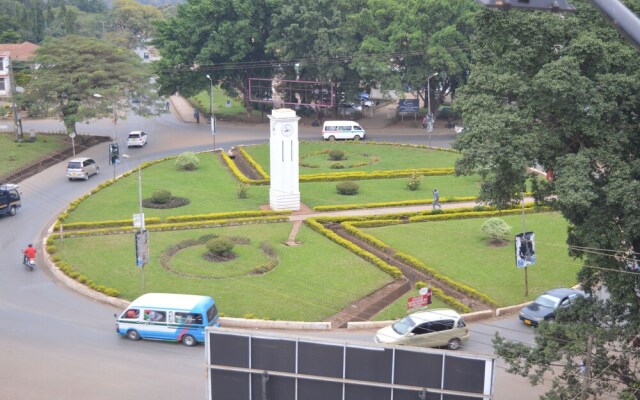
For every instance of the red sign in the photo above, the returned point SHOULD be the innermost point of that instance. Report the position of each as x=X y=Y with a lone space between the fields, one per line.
x=419 y=301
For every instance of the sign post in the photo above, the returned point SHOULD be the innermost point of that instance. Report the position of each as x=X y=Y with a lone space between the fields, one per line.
x=423 y=299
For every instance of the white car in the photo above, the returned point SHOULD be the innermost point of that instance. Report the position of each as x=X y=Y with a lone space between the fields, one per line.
x=136 y=139
x=434 y=328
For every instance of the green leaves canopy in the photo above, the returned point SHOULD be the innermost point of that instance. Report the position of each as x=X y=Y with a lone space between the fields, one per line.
x=563 y=91
x=74 y=68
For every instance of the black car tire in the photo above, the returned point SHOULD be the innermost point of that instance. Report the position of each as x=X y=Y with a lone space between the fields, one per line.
x=454 y=344
x=133 y=335
x=13 y=210
x=189 y=340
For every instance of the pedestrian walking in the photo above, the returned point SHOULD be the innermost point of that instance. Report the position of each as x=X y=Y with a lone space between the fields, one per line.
x=196 y=115
x=424 y=122
x=168 y=108
x=436 y=199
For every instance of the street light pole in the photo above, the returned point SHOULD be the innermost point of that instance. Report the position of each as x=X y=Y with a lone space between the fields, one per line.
x=430 y=119
x=213 y=119
x=142 y=238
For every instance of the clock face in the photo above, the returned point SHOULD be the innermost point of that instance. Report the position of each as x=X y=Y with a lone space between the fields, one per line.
x=286 y=130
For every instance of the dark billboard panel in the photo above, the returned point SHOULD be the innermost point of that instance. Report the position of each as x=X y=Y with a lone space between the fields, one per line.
x=250 y=365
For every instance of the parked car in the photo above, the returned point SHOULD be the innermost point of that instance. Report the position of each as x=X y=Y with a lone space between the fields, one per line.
x=544 y=307
x=136 y=138
x=82 y=168
x=434 y=328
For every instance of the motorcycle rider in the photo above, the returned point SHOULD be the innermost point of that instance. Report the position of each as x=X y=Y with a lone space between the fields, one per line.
x=29 y=252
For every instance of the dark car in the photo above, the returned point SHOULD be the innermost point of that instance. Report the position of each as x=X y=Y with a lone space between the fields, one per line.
x=545 y=306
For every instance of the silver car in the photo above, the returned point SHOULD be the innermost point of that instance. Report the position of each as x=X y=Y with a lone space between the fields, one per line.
x=82 y=168
x=434 y=328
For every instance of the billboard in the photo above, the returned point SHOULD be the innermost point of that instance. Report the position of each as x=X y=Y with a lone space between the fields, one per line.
x=408 y=106
x=248 y=365
x=525 y=248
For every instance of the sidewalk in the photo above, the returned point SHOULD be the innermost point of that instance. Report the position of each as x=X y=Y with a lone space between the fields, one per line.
x=382 y=119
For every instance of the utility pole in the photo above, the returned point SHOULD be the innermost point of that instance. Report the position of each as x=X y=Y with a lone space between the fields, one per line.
x=586 y=378
x=213 y=118
x=17 y=120
x=430 y=119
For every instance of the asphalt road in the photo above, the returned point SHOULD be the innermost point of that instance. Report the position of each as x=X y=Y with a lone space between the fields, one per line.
x=58 y=344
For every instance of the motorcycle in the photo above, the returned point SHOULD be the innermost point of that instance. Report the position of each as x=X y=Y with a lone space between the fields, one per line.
x=29 y=262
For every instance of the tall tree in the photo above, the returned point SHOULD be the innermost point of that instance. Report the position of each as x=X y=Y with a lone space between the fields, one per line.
x=134 y=20
x=402 y=44
x=73 y=69
x=563 y=91
x=223 y=38
x=316 y=36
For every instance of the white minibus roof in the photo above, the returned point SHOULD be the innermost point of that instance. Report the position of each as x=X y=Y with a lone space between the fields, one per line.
x=170 y=300
x=340 y=123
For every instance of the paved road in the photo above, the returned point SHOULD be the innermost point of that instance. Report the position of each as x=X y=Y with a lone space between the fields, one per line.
x=57 y=344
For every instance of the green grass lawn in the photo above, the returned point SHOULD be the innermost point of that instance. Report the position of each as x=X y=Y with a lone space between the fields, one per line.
x=220 y=98
x=15 y=156
x=312 y=281
x=378 y=157
x=212 y=188
x=458 y=249
x=385 y=190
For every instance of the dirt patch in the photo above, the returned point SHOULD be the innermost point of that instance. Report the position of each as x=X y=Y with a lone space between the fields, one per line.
x=218 y=259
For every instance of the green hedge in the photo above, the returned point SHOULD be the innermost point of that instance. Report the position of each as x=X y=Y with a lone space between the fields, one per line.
x=393 y=203
x=254 y=163
x=224 y=215
x=176 y=226
x=239 y=175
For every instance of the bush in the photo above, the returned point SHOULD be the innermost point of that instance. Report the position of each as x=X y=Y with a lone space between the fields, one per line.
x=187 y=161
x=347 y=188
x=336 y=155
x=414 y=181
x=161 y=196
x=336 y=165
x=497 y=228
x=243 y=191
x=220 y=246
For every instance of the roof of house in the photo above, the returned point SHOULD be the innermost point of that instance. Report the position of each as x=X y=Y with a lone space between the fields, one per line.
x=24 y=51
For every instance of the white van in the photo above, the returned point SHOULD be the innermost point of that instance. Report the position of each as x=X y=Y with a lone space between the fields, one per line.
x=167 y=316
x=332 y=130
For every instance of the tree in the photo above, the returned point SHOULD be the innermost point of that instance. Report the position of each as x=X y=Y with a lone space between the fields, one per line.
x=318 y=36
x=497 y=228
x=563 y=91
x=73 y=69
x=402 y=44
x=134 y=20
x=223 y=38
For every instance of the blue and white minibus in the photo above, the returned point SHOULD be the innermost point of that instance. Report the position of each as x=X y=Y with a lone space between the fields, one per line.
x=168 y=316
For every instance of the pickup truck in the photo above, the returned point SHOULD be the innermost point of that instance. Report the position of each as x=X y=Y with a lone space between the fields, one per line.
x=9 y=199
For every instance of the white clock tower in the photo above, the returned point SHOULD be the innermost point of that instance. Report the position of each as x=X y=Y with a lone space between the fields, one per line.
x=284 y=193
